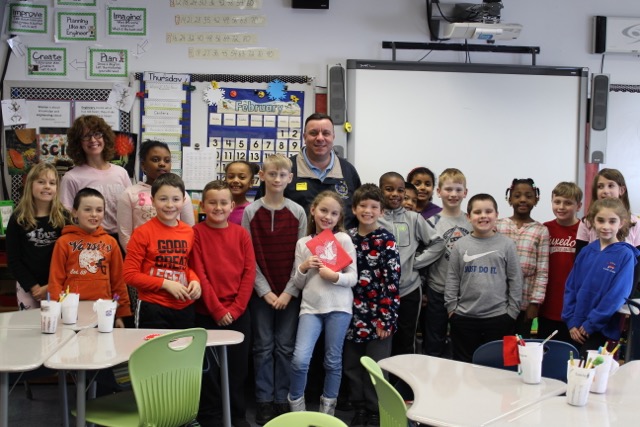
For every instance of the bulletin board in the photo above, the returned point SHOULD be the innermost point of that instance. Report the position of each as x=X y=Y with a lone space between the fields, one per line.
x=227 y=117
x=74 y=99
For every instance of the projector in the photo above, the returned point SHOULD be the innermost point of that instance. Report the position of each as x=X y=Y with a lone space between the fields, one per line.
x=476 y=30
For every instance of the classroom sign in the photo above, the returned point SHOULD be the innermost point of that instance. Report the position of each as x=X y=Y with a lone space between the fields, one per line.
x=28 y=18
x=107 y=63
x=46 y=61
x=127 y=21
x=249 y=124
x=75 y=26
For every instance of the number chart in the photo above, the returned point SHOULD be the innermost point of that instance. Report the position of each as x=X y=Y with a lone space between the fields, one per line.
x=249 y=124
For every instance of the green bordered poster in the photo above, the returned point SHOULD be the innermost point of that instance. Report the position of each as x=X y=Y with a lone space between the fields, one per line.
x=46 y=61
x=107 y=63
x=127 y=21
x=75 y=2
x=28 y=18
x=76 y=26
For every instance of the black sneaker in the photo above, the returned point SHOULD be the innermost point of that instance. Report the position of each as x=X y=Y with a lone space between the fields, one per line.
x=264 y=413
x=374 y=419
x=281 y=408
x=360 y=418
x=240 y=422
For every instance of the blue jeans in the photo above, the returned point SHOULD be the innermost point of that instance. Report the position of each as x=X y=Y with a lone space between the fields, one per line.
x=274 y=335
x=335 y=326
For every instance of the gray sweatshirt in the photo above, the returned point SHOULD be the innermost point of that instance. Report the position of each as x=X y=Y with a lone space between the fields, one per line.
x=410 y=229
x=484 y=278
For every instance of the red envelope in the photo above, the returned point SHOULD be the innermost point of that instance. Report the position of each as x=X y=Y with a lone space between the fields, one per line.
x=510 y=350
x=326 y=247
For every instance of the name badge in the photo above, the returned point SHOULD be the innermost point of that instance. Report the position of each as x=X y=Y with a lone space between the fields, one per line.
x=301 y=186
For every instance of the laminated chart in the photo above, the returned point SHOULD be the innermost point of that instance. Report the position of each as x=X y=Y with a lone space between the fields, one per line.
x=249 y=124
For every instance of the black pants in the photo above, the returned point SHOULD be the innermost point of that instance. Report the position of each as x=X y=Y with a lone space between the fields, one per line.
x=362 y=394
x=547 y=326
x=404 y=340
x=469 y=333
x=434 y=329
x=210 y=412
x=156 y=316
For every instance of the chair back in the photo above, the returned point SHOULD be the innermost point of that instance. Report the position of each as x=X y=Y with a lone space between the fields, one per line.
x=554 y=361
x=633 y=337
x=305 y=419
x=393 y=411
x=166 y=376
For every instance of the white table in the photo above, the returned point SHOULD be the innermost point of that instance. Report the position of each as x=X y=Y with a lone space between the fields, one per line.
x=617 y=407
x=448 y=393
x=87 y=318
x=93 y=350
x=24 y=349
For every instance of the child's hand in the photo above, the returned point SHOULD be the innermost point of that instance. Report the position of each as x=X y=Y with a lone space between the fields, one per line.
x=176 y=289
x=270 y=298
x=282 y=301
x=382 y=333
x=328 y=274
x=579 y=335
x=424 y=300
x=194 y=290
x=532 y=311
x=312 y=262
x=226 y=320
x=39 y=292
x=119 y=323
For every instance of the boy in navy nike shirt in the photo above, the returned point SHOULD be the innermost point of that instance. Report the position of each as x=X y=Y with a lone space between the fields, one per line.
x=484 y=282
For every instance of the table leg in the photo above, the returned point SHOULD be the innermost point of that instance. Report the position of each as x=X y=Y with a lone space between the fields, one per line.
x=4 y=399
x=81 y=394
x=224 y=377
x=62 y=387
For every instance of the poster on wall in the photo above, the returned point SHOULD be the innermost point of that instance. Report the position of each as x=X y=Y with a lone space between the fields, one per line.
x=107 y=63
x=47 y=113
x=46 y=62
x=28 y=18
x=76 y=26
x=22 y=150
x=103 y=109
x=127 y=21
x=249 y=124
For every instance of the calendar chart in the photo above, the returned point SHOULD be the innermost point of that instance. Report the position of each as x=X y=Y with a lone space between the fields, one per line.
x=249 y=124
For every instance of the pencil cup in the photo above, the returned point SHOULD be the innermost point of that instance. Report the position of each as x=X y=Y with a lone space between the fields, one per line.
x=70 y=309
x=106 y=310
x=579 y=382
x=531 y=362
x=49 y=316
x=603 y=371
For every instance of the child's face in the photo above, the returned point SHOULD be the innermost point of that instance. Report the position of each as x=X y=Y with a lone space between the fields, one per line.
x=275 y=180
x=451 y=193
x=44 y=187
x=326 y=214
x=217 y=205
x=607 y=224
x=607 y=189
x=523 y=199
x=367 y=212
x=424 y=184
x=168 y=202
x=565 y=209
x=410 y=201
x=90 y=213
x=483 y=216
x=157 y=162
x=393 y=190
x=92 y=143
x=238 y=176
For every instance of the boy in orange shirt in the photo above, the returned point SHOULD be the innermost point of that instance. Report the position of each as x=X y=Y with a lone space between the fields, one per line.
x=157 y=262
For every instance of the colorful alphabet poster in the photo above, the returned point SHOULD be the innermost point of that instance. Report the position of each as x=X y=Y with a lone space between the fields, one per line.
x=249 y=124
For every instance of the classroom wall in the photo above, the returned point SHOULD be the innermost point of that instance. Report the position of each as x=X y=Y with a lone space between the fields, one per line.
x=309 y=40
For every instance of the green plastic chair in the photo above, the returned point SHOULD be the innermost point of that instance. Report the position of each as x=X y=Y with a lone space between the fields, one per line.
x=166 y=376
x=305 y=419
x=393 y=411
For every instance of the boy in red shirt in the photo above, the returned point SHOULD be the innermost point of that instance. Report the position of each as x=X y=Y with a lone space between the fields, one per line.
x=157 y=262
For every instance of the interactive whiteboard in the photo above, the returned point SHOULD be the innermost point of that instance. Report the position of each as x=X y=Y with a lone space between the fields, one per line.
x=493 y=122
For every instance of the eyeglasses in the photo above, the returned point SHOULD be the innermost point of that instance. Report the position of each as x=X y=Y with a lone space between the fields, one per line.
x=96 y=135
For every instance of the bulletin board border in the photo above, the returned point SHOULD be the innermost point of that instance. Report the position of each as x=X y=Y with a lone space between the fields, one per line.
x=245 y=78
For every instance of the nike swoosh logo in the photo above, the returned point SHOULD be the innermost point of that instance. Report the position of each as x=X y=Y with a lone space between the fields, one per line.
x=469 y=258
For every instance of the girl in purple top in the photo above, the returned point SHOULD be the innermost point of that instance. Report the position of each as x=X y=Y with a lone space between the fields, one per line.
x=239 y=175
x=425 y=181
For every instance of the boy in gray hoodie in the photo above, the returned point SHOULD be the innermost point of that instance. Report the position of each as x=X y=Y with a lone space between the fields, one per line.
x=410 y=230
